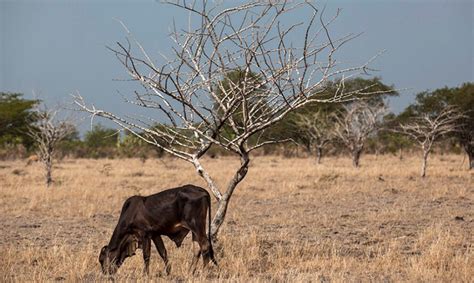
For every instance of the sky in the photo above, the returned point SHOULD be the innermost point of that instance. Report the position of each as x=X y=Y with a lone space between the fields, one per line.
x=55 y=48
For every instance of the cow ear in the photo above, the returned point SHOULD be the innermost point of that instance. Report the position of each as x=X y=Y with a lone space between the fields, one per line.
x=104 y=248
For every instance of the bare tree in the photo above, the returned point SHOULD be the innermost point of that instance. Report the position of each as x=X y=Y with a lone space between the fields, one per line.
x=426 y=129
x=196 y=103
x=317 y=129
x=358 y=121
x=47 y=131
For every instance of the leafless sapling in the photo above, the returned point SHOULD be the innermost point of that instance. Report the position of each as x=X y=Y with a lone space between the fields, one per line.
x=426 y=129
x=355 y=123
x=187 y=88
x=47 y=131
x=317 y=129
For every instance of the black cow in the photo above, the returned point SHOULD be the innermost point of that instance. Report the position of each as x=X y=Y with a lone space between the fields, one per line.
x=172 y=213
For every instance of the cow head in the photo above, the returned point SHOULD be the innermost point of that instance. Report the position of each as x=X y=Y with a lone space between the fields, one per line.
x=111 y=259
x=106 y=261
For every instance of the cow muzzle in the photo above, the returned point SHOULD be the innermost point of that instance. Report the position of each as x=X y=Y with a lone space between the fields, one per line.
x=109 y=267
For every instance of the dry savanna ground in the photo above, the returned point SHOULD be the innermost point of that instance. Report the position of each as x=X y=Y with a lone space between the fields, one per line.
x=290 y=220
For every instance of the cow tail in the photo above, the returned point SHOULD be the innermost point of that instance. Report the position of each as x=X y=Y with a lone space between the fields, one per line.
x=211 y=250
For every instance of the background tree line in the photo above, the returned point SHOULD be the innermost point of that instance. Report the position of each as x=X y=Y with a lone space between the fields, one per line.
x=18 y=116
x=312 y=129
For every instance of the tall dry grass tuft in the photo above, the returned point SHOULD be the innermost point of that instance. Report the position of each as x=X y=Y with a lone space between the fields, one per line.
x=290 y=220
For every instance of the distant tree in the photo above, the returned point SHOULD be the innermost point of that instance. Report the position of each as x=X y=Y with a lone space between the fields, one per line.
x=71 y=145
x=243 y=83
x=295 y=125
x=16 y=115
x=316 y=131
x=373 y=90
x=463 y=99
x=47 y=131
x=133 y=146
x=356 y=123
x=426 y=129
x=101 y=141
x=432 y=103
x=388 y=139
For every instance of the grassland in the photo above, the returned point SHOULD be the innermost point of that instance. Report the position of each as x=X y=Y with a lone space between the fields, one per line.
x=290 y=220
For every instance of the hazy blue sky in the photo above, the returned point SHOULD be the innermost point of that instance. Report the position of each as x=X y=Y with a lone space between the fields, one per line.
x=57 y=47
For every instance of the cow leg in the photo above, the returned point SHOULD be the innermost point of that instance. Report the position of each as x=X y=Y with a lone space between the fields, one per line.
x=160 y=246
x=199 y=236
x=197 y=224
x=205 y=249
x=146 y=253
x=197 y=254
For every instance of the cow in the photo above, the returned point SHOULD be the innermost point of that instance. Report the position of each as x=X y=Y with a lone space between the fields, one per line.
x=172 y=213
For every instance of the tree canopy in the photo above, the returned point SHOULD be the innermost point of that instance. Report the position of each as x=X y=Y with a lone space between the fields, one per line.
x=100 y=136
x=432 y=103
x=16 y=114
x=373 y=90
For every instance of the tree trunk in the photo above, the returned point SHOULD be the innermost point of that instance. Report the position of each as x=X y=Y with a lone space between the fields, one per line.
x=319 y=154
x=469 y=149
x=471 y=159
x=223 y=202
x=48 y=163
x=400 y=153
x=424 y=163
x=212 y=186
x=356 y=157
x=219 y=217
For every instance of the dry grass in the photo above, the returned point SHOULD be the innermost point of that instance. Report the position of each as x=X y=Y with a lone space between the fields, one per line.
x=290 y=220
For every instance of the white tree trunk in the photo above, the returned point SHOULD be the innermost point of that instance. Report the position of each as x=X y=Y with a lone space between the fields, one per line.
x=48 y=165
x=223 y=203
x=218 y=218
x=222 y=199
x=424 y=163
